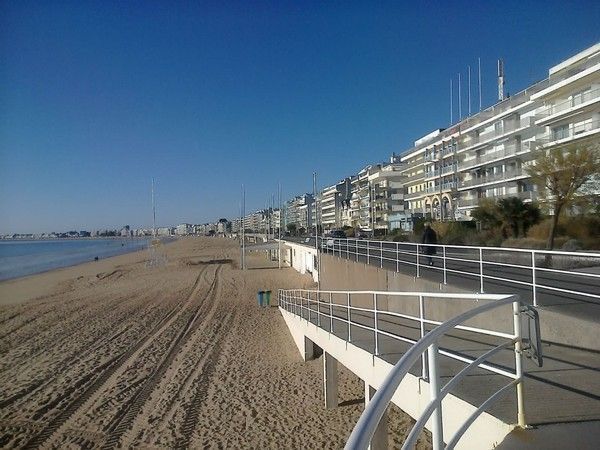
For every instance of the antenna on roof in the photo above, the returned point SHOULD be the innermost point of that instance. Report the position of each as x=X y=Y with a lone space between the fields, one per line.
x=459 y=99
x=451 y=106
x=500 y=80
x=479 y=65
x=469 y=91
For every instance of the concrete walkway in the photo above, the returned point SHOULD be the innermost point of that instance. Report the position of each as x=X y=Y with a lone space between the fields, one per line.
x=565 y=389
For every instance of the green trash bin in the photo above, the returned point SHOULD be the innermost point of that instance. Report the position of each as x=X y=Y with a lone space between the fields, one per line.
x=259 y=297
x=268 y=298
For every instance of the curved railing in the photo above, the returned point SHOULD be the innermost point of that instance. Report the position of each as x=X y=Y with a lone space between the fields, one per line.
x=318 y=307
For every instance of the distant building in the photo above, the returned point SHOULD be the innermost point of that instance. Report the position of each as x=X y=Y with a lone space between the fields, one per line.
x=184 y=229
x=165 y=231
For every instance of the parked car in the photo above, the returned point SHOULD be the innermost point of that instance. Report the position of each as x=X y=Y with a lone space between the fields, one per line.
x=364 y=234
x=329 y=239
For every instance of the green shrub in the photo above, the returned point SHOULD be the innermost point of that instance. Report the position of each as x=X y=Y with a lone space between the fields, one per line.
x=454 y=233
x=542 y=229
x=585 y=229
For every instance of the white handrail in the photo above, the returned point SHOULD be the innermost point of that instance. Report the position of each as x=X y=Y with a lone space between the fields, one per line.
x=293 y=301
x=486 y=258
x=367 y=423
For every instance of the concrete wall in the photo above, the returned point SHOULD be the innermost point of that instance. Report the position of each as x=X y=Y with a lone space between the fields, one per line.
x=576 y=329
x=344 y=274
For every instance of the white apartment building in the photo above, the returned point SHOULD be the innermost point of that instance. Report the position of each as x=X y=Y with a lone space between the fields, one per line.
x=449 y=171
x=328 y=208
x=299 y=211
x=377 y=196
x=334 y=205
x=184 y=229
x=387 y=197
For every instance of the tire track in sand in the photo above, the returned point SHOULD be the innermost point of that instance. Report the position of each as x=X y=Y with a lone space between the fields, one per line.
x=108 y=370
x=202 y=375
x=131 y=409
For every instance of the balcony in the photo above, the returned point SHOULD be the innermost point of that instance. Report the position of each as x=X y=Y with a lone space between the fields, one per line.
x=565 y=135
x=507 y=151
x=489 y=136
x=415 y=177
x=491 y=178
x=563 y=108
x=444 y=171
x=448 y=151
x=414 y=195
x=470 y=202
x=444 y=187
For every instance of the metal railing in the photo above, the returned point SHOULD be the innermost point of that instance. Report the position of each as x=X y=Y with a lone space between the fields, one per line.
x=572 y=132
x=475 y=201
x=559 y=274
x=331 y=309
x=492 y=178
x=568 y=104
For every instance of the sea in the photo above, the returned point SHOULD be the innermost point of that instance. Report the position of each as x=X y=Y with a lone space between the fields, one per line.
x=19 y=258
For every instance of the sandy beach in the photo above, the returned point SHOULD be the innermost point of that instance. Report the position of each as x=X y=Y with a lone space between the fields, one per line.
x=116 y=353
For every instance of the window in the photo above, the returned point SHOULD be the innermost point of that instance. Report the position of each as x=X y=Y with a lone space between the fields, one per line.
x=582 y=127
x=580 y=97
x=560 y=132
x=498 y=127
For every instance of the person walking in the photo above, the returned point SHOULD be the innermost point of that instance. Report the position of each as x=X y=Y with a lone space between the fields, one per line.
x=429 y=237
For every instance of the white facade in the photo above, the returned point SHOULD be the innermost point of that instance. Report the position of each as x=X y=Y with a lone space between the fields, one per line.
x=184 y=229
x=299 y=211
x=449 y=171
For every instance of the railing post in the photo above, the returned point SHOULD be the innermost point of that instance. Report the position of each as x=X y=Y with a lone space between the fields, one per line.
x=444 y=260
x=519 y=364
x=533 y=280
x=437 y=428
x=418 y=269
x=397 y=257
x=318 y=309
x=381 y=253
x=308 y=303
x=481 y=270
x=424 y=373
x=356 y=242
x=330 y=314
x=375 y=321
x=349 y=322
x=368 y=247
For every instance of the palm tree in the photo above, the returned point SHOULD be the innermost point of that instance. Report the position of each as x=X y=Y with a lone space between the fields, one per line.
x=511 y=215
x=517 y=216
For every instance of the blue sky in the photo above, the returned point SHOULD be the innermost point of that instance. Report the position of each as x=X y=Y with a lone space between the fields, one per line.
x=98 y=97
